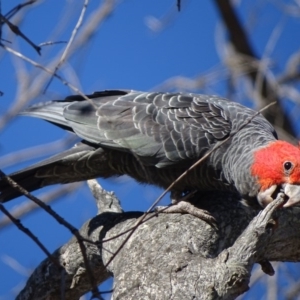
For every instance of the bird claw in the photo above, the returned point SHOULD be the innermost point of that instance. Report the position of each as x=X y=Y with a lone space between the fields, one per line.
x=184 y=207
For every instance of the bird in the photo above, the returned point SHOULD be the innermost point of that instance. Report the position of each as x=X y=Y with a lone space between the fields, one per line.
x=154 y=137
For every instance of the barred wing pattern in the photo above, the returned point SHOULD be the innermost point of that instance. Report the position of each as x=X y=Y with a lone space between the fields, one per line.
x=161 y=129
x=152 y=137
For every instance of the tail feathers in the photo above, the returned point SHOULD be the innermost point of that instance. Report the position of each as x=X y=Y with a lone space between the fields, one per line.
x=52 y=111
x=45 y=173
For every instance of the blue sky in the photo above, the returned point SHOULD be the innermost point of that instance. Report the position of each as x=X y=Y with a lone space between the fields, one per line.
x=124 y=53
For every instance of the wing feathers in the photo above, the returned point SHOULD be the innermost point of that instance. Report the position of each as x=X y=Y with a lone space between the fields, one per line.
x=158 y=127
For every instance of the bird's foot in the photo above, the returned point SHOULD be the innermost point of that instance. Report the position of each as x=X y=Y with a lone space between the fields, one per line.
x=183 y=206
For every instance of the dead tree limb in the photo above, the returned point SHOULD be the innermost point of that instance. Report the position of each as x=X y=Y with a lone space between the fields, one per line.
x=173 y=256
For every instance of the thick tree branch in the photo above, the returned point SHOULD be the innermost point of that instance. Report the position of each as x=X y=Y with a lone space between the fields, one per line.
x=173 y=256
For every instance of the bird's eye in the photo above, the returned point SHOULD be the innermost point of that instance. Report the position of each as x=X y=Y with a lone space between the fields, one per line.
x=287 y=166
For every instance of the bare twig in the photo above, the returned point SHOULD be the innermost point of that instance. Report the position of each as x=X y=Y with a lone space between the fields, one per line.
x=51 y=43
x=18 y=7
x=292 y=70
x=65 y=53
x=61 y=221
x=28 y=233
x=15 y=29
x=37 y=65
x=29 y=206
x=264 y=62
x=30 y=87
x=158 y=24
x=37 y=151
x=178 y=5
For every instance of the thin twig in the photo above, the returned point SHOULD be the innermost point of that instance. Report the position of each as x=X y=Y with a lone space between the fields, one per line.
x=18 y=7
x=0 y=22
x=28 y=207
x=61 y=221
x=179 y=5
x=37 y=151
x=24 y=229
x=264 y=61
x=37 y=65
x=65 y=53
x=16 y=30
x=50 y=43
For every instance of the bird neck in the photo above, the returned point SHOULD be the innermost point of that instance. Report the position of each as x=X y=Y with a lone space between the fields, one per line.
x=237 y=158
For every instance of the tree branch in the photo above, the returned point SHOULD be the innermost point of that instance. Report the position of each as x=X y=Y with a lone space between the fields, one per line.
x=173 y=256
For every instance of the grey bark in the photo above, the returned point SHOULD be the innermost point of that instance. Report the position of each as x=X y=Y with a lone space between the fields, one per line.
x=173 y=256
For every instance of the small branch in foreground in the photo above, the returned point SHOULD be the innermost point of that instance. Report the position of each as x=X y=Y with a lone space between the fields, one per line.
x=18 y=7
x=61 y=221
x=179 y=5
x=51 y=43
x=75 y=30
x=75 y=279
x=37 y=65
x=29 y=207
x=28 y=233
x=15 y=29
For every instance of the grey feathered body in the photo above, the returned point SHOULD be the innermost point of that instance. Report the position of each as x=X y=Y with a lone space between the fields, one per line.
x=154 y=138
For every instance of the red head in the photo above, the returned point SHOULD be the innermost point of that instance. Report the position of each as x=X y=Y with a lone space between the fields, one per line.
x=278 y=164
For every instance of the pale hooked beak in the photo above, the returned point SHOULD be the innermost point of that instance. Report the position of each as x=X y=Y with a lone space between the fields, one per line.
x=293 y=192
x=265 y=197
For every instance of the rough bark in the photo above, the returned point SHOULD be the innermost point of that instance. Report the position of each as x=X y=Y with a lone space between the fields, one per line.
x=173 y=256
